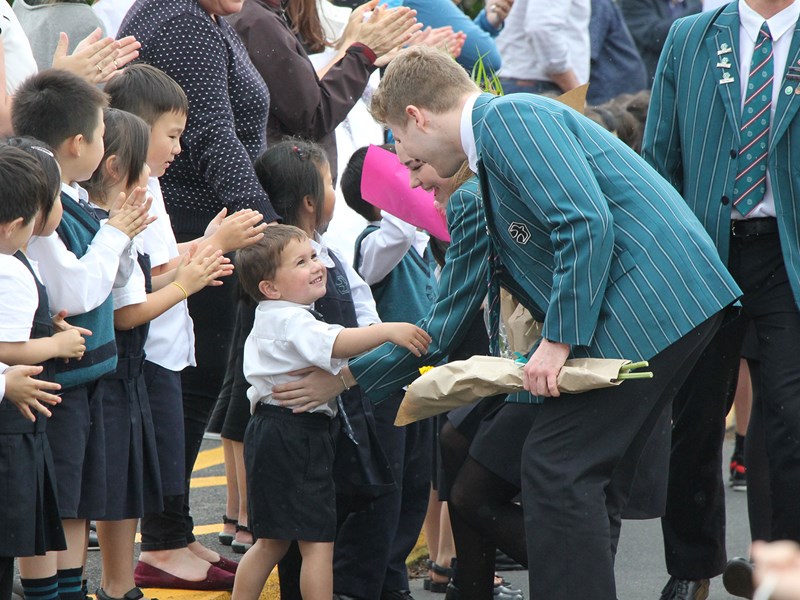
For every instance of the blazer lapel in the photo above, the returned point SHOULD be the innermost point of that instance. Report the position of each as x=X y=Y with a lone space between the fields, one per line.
x=721 y=47
x=787 y=102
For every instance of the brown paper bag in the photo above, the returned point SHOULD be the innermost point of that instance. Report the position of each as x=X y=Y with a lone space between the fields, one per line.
x=464 y=381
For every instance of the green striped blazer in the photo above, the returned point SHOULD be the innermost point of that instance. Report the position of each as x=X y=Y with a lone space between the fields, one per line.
x=595 y=243
x=692 y=132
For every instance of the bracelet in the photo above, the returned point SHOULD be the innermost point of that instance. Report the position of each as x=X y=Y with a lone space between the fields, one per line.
x=181 y=288
x=344 y=383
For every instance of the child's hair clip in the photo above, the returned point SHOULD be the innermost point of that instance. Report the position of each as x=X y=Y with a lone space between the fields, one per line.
x=43 y=150
x=301 y=154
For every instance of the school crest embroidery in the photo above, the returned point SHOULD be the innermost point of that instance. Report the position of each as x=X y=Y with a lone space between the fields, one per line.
x=519 y=232
x=341 y=285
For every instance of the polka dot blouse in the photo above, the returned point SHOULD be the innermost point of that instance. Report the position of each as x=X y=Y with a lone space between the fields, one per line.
x=228 y=110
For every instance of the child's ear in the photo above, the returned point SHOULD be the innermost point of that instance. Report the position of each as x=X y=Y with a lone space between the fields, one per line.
x=72 y=146
x=111 y=165
x=309 y=205
x=268 y=290
x=10 y=228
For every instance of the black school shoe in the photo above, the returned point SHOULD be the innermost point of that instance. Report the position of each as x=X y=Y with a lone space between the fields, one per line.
x=738 y=578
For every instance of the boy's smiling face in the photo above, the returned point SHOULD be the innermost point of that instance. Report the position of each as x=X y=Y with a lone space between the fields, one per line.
x=165 y=142
x=300 y=278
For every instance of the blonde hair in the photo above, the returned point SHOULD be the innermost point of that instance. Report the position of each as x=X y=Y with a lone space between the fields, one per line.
x=425 y=77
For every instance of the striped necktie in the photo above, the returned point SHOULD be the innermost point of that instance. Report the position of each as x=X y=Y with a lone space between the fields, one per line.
x=751 y=180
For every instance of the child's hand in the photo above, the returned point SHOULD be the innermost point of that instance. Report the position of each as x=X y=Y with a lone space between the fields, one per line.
x=59 y=324
x=199 y=268
x=28 y=393
x=130 y=215
x=239 y=230
x=409 y=336
x=70 y=343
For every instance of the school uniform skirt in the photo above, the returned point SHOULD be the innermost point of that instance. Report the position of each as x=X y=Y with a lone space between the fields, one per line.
x=499 y=439
x=30 y=523
x=132 y=469
x=288 y=459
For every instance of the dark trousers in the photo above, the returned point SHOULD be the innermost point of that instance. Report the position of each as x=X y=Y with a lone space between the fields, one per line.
x=694 y=521
x=578 y=467
x=694 y=525
x=758 y=267
x=212 y=310
x=372 y=545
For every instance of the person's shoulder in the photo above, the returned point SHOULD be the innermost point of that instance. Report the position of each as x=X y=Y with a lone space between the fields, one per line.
x=14 y=274
x=692 y=28
x=148 y=16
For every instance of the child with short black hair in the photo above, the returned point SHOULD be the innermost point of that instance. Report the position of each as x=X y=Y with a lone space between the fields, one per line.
x=170 y=556
x=289 y=456
x=79 y=264
x=29 y=516
x=131 y=457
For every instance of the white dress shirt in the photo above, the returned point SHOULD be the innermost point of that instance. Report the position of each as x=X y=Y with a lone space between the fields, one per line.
x=287 y=337
x=383 y=249
x=81 y=285
x=781 y=26
x=544 y=37
x=170 y=340
x=19 y=62
x=19 y=299
x=468 y=143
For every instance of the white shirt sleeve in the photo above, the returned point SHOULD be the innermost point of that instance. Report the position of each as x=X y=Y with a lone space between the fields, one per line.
x=18 y=300
x=366 y=311
x=133 y=292
x=383 y=249
x=80 y=285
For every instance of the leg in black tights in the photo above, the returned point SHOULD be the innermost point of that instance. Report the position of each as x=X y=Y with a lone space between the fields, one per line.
x=482 y=515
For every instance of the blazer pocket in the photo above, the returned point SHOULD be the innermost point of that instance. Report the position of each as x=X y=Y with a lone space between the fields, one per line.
x=620 y=264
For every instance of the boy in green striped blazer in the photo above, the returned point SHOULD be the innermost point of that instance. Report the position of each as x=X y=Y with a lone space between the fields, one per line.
x=606 y=254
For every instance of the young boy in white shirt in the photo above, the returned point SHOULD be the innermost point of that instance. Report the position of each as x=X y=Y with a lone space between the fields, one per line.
x=289 y=456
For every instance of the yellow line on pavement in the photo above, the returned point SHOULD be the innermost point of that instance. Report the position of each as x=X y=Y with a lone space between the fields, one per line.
x=214 y=481
x=209 y=458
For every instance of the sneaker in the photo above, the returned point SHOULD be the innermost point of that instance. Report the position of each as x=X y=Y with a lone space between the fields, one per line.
x=738 y=478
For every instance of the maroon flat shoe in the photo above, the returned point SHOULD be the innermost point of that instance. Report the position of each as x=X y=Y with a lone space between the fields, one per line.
x=226 y=564
x=148 y=576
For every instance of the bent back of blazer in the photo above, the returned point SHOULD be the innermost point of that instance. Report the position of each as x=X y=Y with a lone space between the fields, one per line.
x=592 y=240
x=692 y=132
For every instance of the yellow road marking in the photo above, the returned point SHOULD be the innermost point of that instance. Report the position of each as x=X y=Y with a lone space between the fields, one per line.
x=201 y=482
x=209 y=458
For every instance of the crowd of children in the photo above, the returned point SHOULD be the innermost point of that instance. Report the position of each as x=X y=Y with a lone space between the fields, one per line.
x=95 y=332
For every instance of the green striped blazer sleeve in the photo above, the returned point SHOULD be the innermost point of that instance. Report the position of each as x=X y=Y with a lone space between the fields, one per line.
x=462 y=288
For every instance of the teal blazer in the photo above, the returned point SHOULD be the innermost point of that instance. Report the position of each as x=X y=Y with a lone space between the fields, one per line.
x=692 y=132
x=592 y=240
x=462 y=289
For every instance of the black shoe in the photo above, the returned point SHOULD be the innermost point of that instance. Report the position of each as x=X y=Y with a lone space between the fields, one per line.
x=685 y=589
x=738 y=578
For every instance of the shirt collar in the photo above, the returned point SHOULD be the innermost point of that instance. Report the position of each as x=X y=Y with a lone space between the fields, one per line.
x=778 y=24
x=270 y=305
x=322 y=251
x=75 y=192
x=468 y=135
